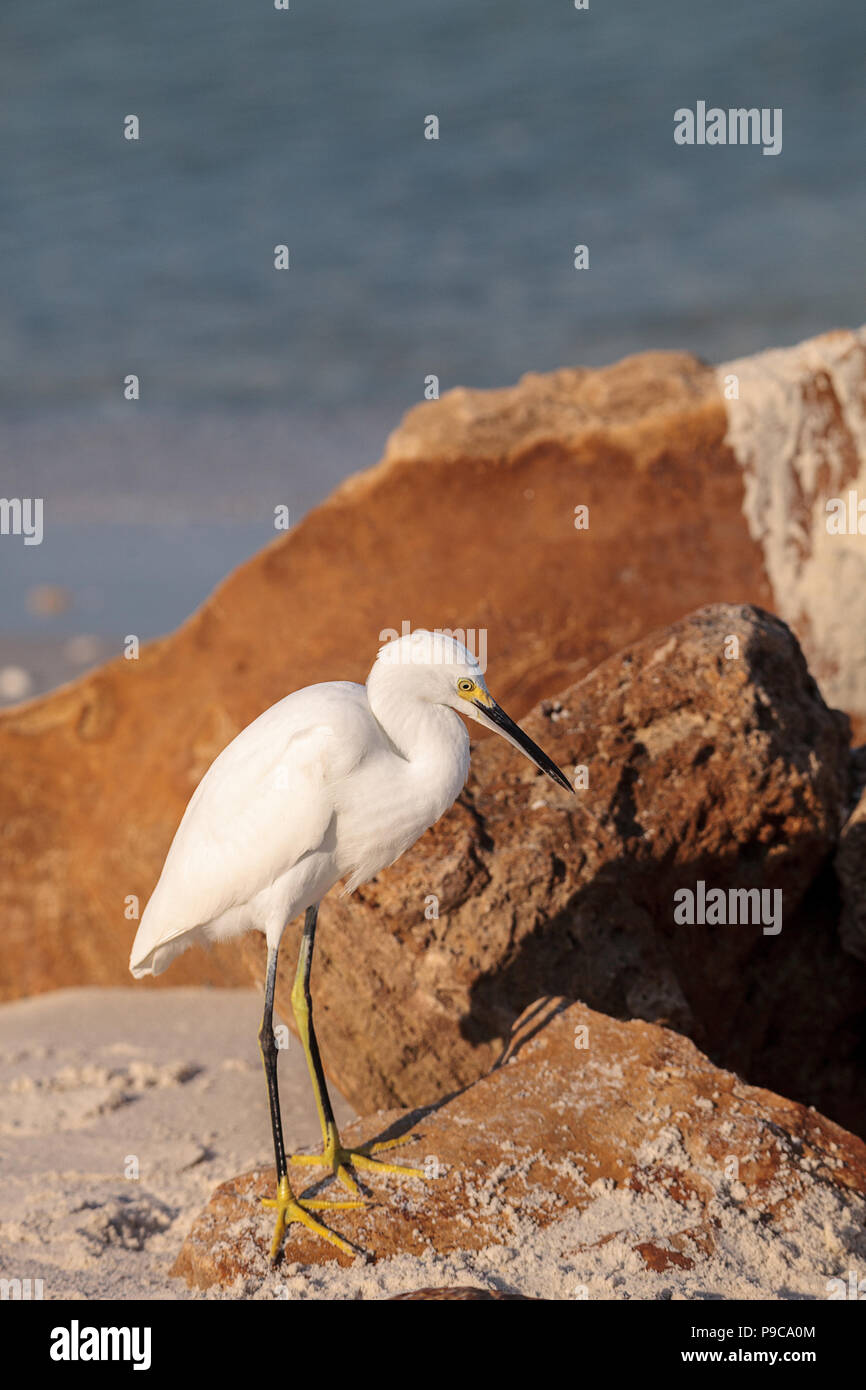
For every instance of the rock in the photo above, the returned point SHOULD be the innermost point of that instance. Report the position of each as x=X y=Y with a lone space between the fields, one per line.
x=602 y=1160
x=94 y=778
x=797 y=425
x=851 y=867
x=731 y=772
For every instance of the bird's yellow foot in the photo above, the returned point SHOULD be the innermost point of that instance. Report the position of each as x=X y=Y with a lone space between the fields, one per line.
x=340 y=1159
x=290 y=1208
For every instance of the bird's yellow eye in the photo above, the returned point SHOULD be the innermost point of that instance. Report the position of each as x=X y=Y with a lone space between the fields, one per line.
x=465 y=685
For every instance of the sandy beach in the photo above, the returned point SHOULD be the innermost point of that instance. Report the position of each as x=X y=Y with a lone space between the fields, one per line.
x=94 y=1080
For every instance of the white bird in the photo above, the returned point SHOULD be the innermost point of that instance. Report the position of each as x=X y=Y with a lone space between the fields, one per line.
x=332 y=783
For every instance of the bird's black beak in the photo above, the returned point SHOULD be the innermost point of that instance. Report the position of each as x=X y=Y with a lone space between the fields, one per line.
x=513 y=732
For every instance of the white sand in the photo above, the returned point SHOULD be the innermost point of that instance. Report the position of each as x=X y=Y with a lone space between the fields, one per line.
x=91 y=1077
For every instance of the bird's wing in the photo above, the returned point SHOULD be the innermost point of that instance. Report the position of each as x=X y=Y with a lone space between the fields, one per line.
x=264 y=803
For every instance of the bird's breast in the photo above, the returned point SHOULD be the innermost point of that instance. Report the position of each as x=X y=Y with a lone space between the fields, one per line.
x=383 y=816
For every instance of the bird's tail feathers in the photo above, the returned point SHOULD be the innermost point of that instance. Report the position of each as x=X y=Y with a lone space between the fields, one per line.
x=160 y=957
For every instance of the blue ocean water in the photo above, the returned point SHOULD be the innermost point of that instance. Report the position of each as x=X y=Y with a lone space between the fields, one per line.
x=408 y=256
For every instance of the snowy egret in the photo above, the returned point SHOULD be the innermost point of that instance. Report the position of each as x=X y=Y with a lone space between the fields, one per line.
x=332 y=783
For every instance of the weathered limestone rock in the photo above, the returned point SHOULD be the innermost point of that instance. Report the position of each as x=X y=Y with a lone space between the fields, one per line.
x=603 y=1159
x=797 y=425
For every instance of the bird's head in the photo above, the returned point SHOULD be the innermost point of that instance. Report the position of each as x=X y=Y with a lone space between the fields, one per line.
x=438 y=668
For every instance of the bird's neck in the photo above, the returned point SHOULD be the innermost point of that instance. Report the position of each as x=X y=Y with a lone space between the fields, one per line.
x=431 y=738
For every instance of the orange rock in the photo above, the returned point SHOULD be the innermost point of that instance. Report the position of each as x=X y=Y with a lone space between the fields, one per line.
x=643 y=1160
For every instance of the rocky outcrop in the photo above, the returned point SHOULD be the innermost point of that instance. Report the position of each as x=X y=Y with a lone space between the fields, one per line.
x=469 y=522
x=797 y=426
x=601 y=1160
x=704 y=755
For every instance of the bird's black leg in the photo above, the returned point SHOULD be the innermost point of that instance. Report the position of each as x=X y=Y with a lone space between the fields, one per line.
x=288 y=1207
x=268 y=1049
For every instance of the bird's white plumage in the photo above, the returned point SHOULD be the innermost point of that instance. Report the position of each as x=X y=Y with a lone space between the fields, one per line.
x=334 y=782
